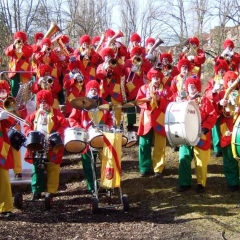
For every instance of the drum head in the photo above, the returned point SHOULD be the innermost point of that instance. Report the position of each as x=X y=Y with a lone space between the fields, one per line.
x=75 y=146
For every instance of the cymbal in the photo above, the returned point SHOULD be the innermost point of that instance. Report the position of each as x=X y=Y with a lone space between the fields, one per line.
x=109 y=106
x=83 y=103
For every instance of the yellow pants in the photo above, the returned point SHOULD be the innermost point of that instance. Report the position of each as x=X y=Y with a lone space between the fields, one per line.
x=6 y=202
x=159 y=157
x=53 y=171
x=17 y=161
x=117 y=112
x=201 y=159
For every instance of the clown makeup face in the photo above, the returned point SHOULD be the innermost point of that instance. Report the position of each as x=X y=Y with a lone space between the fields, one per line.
x=165 y=61
x=75 y=70
x=44 y=105
x=192 y=90
x=3 y=93
x=107 y=58
x=230 y=82
x=184 y=70
x=149 y=45
x=93 y=93
x=221 y=72
x=156 y=80
x=134 y=44
x=85 y=45
x=194 y=45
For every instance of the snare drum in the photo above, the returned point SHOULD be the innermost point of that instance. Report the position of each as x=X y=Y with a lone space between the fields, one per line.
x=55 y=141
x=75 y=139
x=35 y=141
x=95 y=135
x=183 y=123
x=17 y=139
x=235 y=140
x=132 y=139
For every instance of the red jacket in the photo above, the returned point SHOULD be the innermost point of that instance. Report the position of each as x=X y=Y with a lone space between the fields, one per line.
x=58 y=123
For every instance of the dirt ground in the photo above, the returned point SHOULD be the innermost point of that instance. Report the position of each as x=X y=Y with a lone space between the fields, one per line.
x=157 y=210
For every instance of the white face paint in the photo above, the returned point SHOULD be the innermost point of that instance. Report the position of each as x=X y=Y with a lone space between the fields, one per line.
x=3 y=93
x=184 y=70
x=43 y=105
x=93 y=92
x=155 y=80
x=230 y=82
x=165 y=61
x=221 y=72
x=192 y=90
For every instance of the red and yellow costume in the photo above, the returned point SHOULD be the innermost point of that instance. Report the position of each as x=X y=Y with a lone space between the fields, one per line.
x=56 y=122
x=19 y=54
x=72 y=86
x=90 y=60
x=197 y=58
x=55 y=87
x=151 y=126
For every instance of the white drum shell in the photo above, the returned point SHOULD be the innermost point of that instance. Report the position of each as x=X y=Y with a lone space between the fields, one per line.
x=183 y=123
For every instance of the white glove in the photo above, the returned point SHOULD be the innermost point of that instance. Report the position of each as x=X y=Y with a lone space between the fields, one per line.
x=117 y=44
x=223 y=102
x=3 y=115
x=134 y=68
x=149 y=56
x=225 y=52
x=62 y=58
x=40 y=80
x=190 y=58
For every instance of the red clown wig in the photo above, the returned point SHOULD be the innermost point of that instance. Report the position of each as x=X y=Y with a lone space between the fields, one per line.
x=95 y=39
x=46 y=41
x=228 y=43
x=228 y=76
x=92 y=84
x=185 y=62
x=84 y=38
x=5 y=85
x=194 y=80
x=220 y=64
x=65 y=39
x=135 y=38
x=194 y=40
x=166 y=55
x=107 y=52
x=136 y=51
x=43 y=69
x=21 y=35
x=45 y=95
x=154 y=73
x=150 y=40
x=109 y=33
x=38 y=35
x=74 y=65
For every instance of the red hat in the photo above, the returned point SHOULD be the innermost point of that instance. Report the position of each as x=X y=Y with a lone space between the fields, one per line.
x=228 y=43
x=84 y=38
x=21 y=35
x=109 y=33
x=65 y=39
x=45 y=95
x=194 y=40
x=135 y=38
x=153 y=72
x=5 y=85
x=136 y=51
x=38 y=35
x=150 y=40
x=229 y=75
x=166 y=55
x=74 y=64
x=220 y=63
x=184 y=61
x=194 y=80
x=107 y=51
x=43 y=69
x=46 y=41
x=95 y=39
x=92 y=84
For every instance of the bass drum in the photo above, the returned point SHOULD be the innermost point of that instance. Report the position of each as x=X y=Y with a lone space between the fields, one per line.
x=75 y=139
x=235 y=140
x=183 y=123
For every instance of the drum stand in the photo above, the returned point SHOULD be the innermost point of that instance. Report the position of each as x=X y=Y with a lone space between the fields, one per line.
x=109 y=191
x=39 y=160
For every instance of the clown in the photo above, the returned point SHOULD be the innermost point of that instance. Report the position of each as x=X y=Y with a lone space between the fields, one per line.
x=47 y=121
x=19 y=53
x=84 y=119
x=74 y=82
x=213 y=87
x=201 y=152
x=151 y=125
x=194 y=54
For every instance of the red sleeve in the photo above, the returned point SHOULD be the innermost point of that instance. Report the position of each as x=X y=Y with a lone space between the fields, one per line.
x=74 y=118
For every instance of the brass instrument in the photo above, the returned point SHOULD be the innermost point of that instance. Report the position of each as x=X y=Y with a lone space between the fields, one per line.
x=100 y=42
x=47 y=82
x=228 y=111
x=137 y=60
x=57 y=40
x=52 y=30
x=113 y=63
x=19 y=45
x=158 y=42
x=189 y=50
x=118 y=34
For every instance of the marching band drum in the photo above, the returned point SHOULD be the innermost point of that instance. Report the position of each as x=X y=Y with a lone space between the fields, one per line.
x=183 y=123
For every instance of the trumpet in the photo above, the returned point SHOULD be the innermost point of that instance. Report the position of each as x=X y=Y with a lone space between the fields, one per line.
x=47 y=82
x=79 y=78
x=189 y=50
x=19 y=45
